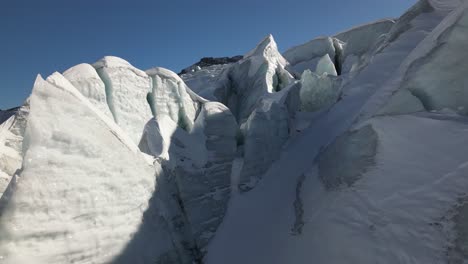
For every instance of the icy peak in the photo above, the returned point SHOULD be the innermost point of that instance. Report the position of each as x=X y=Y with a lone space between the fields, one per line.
x=268 y=43
x=325 y=66
x=269 y=49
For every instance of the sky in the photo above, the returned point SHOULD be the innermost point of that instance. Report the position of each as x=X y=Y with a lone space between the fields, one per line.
x=41 y=37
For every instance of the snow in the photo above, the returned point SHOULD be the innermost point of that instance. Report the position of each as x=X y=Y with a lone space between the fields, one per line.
x=436 y=24
x=10 y=159
x=54 y=218
x=200 y=157
x=325 y=66
x=361 y=40
x=156 y=139
x=11 y=149
x=362 y=224
x=445 y=5
x=306 y=56
x=348 y=158
x=439 y=79
x=317 y=91
x=347 y=225
x=402 y=102
x=206 y=81
x=169 y=97
x=261 y=72
x=265 y=132
x=86 y=80
x=362 y=161
x=126 y=92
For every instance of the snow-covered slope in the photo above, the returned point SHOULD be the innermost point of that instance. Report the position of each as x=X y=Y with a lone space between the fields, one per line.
x=345 y=149
x=383 y=192
x=81 y=191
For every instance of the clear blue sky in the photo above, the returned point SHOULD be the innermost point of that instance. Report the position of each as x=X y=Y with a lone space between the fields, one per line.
x=43 y=36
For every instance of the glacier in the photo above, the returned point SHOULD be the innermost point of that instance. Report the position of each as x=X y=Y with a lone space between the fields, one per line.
x=346 y=149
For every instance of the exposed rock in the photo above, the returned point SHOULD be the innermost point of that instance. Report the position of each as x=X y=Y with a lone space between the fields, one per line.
x=210 y=61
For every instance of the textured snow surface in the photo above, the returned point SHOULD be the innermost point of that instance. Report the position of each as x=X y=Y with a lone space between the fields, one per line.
x=85 y=78
x=393 y=207
x=317 y=91
x=81 y=193
x=391 y=214
x=206 y=81
x=439 y=79
x=169 y=97
x=359 y=43
x=261 y=72
x=127 y=89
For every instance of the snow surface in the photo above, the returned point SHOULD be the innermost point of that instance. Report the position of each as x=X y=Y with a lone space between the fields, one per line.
x=206 y=81
x=126 y=92
x=306 y=56
x=89 y=199
x=317 y=91
x=325 y=66
x=169 y=97
x=85 y=78
x=367 y=222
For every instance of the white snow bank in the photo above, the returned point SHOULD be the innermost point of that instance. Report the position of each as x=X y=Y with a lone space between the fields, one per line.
x=126 y=90
x=170 y=97
x=392 y=214
x=86 y=80
x=81 y=193
x=439 y=78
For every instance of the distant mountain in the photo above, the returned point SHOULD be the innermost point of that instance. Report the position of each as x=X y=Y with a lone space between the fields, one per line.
x=210 y=61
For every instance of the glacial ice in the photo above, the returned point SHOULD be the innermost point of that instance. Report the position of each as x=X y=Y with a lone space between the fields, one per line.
x=265 y=132
x=359 y=43
x=126 y=92
x=325 y=66
x=306 y=56
x=11 y=139
x=262 y=71
x=439 y=79
x=48 y=216
x=169 y=97
x=337 y=182
x=317 y=91
x=402 y=102
x=86 y=80
x=206 y=81
x=348 y=158
x=200 y=158
x=361 y=39
x=367 y=222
